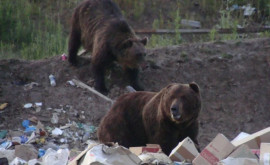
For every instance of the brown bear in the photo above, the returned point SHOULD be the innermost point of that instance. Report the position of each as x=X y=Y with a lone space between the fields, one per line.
x=165 y=117
x=101 y=28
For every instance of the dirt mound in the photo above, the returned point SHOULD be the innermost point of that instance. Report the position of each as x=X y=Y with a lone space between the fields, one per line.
x=233 y=77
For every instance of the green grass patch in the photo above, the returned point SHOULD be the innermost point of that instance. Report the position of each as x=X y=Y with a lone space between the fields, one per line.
x=27 y=31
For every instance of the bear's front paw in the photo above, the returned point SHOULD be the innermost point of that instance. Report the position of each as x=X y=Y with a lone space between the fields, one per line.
x=102 y=90
x=137 y=87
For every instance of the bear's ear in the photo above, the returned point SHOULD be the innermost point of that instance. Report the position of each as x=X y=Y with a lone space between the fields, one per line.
x=126 y=44
x=194 y=87
x=144 y=41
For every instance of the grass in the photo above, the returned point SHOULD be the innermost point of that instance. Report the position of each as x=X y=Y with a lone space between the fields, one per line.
x=35 y=29
x=27 y=32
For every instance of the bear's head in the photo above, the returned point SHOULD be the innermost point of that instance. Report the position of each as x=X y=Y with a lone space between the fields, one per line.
x=181 y=102
x=132 y=53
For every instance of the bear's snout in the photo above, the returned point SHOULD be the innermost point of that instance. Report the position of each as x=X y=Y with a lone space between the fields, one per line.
x=175 y=113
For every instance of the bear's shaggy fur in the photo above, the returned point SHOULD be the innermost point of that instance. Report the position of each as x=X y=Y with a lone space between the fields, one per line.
x=99 y=26
x=165 y=117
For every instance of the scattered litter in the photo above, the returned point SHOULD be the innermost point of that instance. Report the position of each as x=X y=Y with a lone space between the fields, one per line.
x=54 y=118
x=248 y=10
x=217 y=150
x=102 y=154
x=28 y=105
x=26 y=152
x=8 y=154
x=252 y=140
x=52 y=80
x=38 y=104
x=148 y=148
x=184 y=151
x=6 y=144
x=191 y=23
x=238 y=161
x=30 y=85
x=155 y=158
x=3 y=106
x=58 y=157
x=57 y=132
x=33 y=119
x=3 y=134
x=18 y=161
x=70 y=82
x=265 y=153
x=64 y=57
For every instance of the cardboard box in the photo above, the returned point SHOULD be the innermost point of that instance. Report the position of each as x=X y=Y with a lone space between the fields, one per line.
x=254 y=140
x=184 y=151
x=215 y=151
x=265 y=154
x=148 y=148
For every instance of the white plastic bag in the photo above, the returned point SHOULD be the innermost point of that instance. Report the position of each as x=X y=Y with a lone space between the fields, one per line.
x=53 y=157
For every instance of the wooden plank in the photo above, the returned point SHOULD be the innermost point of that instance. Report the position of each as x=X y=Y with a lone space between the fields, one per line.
x=84 y=86
x=200 y=31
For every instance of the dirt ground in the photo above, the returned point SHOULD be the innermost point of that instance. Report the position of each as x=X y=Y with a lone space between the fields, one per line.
x=234 y=78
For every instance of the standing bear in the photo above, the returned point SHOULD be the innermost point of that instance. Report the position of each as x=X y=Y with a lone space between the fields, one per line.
x=164 y=118
x=100 y=27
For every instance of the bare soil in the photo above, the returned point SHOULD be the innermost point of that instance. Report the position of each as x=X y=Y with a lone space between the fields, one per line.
x=234 y=78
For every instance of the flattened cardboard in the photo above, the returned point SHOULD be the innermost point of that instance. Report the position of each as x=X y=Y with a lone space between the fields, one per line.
x=215 y=151
x=265 y=154
x=148 y=148
x=254 y=140
x=184 y=151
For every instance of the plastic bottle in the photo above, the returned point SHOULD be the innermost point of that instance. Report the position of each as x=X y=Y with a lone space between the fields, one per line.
x=52 y=80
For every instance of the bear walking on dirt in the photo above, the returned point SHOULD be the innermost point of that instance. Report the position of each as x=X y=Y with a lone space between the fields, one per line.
x=164 y=118
x=100 y=27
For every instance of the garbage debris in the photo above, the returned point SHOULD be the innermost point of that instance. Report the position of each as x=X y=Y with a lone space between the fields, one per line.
x=148 y=148
x=57 y=132
x=52 y=80
x=102 y=154
x=70 y=82
x=59 y=157
x=54 y=118
x=3 y=106
x=217 y=150
x=26 y=152
x=30 y=85
x=191 y=23
x=64 y=57
x=252 y=140
x=238 y=161
x=184 y=151
x=265 y=153
x=151 y=158
x=8 y=154
x=28 y=105
x=3 y=134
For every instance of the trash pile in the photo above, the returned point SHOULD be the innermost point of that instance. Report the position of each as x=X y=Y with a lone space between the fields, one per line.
x=17 y=149
x=44 y=145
